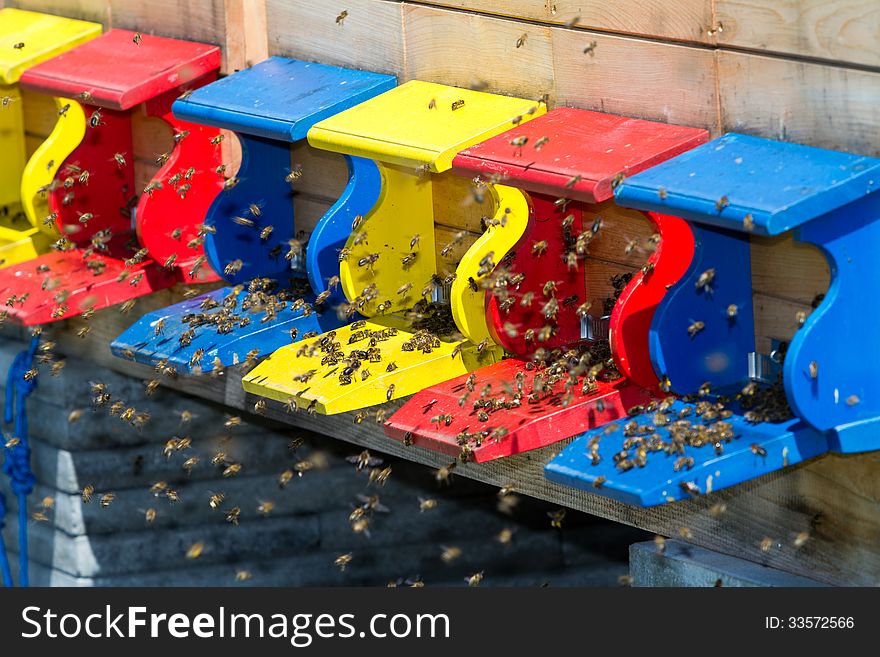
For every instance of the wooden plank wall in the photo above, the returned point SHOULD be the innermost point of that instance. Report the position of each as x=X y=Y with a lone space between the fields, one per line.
x=805 y=71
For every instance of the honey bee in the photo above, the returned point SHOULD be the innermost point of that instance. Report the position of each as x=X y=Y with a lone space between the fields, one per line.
x=39 y=516
x=195 y=550
x=265 y=508
x=660 y=544
x=852 y=400
x=180 y=136
x=120 y=160
x=230 y=183
x=522 y=40
x=704 y=282
x=590 y=49
x=95 y=119
x=690 y=488
x=458 y=104
x=408 y=260
x=427 y=504
x=718 y=509
x=232 y=469
x=216 y=500
x=539 y=248
x=150 y=516
x=541 y=142
x=449 y=554
x=695 y=328
x=340 y=18
x=343 y=560
x=233 y=515
x=87 y=493
x=285 y=478
x=749 y=223
x=757 y=450
x=137 y=38
x=766 y=544
x=243 y=221
x=107 y=499
x=475 y=579
x=721 y=203
x=556 y=518
x=215 y=140
x=801 y=539
x=294 y=175
x=443 y=474
x=732 y=311
x=243 y=575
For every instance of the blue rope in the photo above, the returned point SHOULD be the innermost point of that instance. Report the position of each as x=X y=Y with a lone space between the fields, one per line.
x=5 y=570
x=17 y=464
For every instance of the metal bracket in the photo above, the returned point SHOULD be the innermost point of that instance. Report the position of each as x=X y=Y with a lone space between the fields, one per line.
x=595 y=328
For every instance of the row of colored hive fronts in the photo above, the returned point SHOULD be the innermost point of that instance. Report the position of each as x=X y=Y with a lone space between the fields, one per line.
x=664 y=394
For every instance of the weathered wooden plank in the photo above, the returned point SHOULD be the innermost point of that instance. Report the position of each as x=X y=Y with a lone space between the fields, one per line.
x=677 y=20
x=775 y=318
x=247 y=33
x=807 y=103
x=369 y=37
x=787 y=269
x=831 y=498
x=836 y=30
x=195 y=20
x=472 y=50
x=89 y=10
x=644 y=79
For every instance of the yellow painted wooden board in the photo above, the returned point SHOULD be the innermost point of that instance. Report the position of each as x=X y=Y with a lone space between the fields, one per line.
x=67 y=134
x=420 y=123
x=43 y=36
x=404 y=210
x=12 y=144
x=468 y=304
x=323 y=393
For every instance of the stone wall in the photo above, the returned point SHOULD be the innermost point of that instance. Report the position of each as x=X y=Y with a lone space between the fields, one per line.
x=297 y=543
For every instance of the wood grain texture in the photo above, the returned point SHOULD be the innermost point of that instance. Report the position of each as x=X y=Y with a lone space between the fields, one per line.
x=369 y=38
x=89 y=10
x=833 y=498
x=475 y=51
x=677 y=20
x=807 y=103
x=836 y=30
x=247 y=33
x=644 y=79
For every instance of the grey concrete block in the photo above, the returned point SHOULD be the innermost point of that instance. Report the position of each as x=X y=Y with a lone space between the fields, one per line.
x=122 y=467
x=370 y=566
x=127 y=510
x=682 y=564
x=148 y=550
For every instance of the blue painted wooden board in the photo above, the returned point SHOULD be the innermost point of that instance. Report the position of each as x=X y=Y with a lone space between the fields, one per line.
x=149 y=346
x=281 y=98
x=719 y=352
x=781 y=185
x=829 y=199
x=657 y=482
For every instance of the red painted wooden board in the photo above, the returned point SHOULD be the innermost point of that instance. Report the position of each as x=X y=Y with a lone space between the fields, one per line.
x=592 y=145
x=101 y=201
x=168 y=219
x=32 y=295
x=119 y=73
x=529 y=426
x=632 y=315
x=537 y=267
